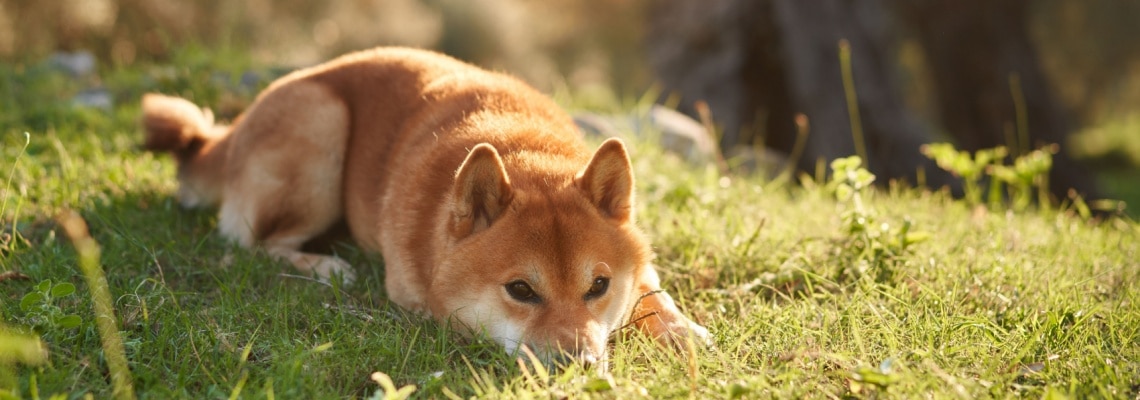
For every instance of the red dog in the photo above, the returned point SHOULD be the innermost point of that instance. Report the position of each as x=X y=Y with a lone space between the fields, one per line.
x=478 y=190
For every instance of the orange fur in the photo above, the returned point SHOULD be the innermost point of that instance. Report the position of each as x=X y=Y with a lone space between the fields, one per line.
x=470 y=183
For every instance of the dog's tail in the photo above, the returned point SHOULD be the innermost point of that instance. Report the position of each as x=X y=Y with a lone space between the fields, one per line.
x=178 y=126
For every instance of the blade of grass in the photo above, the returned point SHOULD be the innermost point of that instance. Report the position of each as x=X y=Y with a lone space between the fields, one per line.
x=8 y=188
x=105 y=320
x=852 y=99
x=1022 y=145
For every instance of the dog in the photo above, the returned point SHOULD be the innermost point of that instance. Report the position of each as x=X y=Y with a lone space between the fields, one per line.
x=489 y=210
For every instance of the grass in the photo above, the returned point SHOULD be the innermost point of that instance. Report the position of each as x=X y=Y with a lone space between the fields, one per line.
x=993 y=304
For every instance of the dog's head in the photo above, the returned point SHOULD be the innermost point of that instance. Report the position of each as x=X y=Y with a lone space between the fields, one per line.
x=553 y=269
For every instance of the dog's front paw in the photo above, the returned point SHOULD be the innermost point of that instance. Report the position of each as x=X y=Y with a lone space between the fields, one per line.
x=700 y=334
x=328 y=269
x=324 y=268
x=677 y=331
x=660 y=319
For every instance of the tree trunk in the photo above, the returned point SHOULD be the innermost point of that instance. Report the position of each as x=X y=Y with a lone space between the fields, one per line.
x=985 y=71
x=810 y=33
x=757 y=63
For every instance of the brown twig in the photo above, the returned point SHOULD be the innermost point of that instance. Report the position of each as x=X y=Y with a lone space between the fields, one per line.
x=12 y=275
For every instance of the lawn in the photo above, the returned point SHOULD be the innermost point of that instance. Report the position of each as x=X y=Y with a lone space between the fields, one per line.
x=809 y=291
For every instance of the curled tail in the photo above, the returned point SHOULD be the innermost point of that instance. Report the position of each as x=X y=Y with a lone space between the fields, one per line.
x=177 y=126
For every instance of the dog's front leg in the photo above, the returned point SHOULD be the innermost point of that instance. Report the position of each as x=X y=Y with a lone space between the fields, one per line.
x=655 y=314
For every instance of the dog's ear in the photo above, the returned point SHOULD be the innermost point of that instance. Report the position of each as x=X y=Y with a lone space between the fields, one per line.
x=608 y=181
x=482 y=191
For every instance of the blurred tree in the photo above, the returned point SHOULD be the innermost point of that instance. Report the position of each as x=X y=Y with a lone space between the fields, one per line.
x=759 y=62
x=1091 y=50
x=989 y=84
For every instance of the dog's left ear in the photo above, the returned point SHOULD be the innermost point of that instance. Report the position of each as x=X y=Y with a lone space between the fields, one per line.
x=481 y=192
x=608 y=181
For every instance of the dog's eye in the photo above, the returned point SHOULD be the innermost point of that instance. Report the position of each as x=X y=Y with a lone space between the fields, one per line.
x=521 y=291
x=598 y=288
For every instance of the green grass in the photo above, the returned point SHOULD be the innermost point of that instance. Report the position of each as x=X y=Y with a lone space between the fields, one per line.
x=993 y=304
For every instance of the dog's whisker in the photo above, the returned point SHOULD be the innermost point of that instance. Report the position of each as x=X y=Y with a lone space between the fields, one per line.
x=635 y=320
x=304 y=278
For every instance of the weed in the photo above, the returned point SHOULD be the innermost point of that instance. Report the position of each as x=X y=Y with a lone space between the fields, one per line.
x=971 y=169
x=42 y=311
x=868 y=248
x=1027 y=172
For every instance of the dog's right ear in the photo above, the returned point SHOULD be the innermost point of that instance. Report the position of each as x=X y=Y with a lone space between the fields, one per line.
x=608 y=181
x=481 y=192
